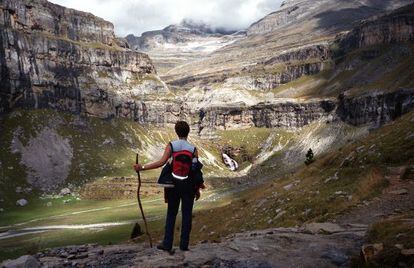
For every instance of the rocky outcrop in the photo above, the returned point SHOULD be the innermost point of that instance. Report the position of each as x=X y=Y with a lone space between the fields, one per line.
x=286 y=114
x=332 y=14
x=59 y=58
x=395 y=27
x=332 y=246
x=375 y=108
x=318 y=52
x=288 y=13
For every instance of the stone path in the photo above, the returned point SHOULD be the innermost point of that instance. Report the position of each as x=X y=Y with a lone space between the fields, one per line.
x=397 y=198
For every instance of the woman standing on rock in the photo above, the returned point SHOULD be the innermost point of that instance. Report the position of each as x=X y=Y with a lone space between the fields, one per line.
x=182 y=179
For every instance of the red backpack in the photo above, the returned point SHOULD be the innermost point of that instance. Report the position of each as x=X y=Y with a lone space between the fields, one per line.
x=181 y=163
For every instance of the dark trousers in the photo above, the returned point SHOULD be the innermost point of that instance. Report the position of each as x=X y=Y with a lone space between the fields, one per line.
x=186 y=195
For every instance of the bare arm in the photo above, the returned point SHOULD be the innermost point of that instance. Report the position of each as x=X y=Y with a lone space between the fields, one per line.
x=156 y=164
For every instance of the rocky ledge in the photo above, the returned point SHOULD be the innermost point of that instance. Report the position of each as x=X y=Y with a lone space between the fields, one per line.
x=316 y=245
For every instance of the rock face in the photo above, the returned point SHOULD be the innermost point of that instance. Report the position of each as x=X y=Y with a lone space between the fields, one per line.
x=289 y=12
x=287 y=114
x=395 y=27
x=54 y=57
x=59 y=58
x=377 y=108
x=25 y=261
x=330 y=12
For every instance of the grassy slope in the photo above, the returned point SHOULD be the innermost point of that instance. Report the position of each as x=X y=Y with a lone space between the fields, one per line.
x=312 y=197
x=383 y=68
x=379 y=68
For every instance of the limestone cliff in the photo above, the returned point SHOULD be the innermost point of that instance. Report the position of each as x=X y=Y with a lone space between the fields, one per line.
x=377 y=107
x=391 y=28
x=59 y=58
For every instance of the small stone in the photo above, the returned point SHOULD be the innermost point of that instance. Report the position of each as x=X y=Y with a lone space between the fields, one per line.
x=399 y=246
x=65 y=191
x=19 y=190
x=83 y=256
x=1 y=209
x=397 y=171
x=400 y=192
x=234 y=247
x=407 y=252
x=22 y=202
x=71 y=257
x=307 y=212
x=269 y=221
x=280 y=214
x=49 y=204
x=360 y=149
x=278 y=210
x=288 y=187
x=63 y=255
x=371 y=250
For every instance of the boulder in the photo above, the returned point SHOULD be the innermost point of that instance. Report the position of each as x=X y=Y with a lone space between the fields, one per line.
x=25 y=261
x=22 y=202
x=399 y=192
x=371 y=250
x=288 y=187
x=397 y=171
x=408 y=252
x=65 y=191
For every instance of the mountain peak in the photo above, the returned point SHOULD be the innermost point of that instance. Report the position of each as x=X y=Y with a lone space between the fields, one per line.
x=197 y=27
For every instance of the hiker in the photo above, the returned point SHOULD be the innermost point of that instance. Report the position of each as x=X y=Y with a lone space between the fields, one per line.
x=182 y=180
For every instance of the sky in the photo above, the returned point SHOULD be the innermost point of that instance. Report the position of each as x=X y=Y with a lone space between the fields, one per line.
x=138 y=16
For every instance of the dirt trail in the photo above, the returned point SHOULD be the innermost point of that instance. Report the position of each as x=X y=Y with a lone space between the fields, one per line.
x=396 y=199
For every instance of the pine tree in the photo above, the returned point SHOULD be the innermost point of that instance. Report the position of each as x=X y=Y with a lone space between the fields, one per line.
x=309 y=157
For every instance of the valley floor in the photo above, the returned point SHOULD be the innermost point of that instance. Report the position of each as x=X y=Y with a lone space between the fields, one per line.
x=331 y=244
x=368 y=180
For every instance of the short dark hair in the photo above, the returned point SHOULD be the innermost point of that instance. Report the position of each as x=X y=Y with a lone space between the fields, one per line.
x=182 y=129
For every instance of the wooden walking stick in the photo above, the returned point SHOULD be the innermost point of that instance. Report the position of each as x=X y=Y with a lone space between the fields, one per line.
x=137 y=229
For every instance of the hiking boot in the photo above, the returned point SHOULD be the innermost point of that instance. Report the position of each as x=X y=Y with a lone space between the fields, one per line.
x=184 y=248
x=162 y=247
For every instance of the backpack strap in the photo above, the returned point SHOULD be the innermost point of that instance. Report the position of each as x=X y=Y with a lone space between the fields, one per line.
x=195 y=150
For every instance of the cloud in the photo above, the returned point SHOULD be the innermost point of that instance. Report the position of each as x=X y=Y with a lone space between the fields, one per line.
x=138 y=16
